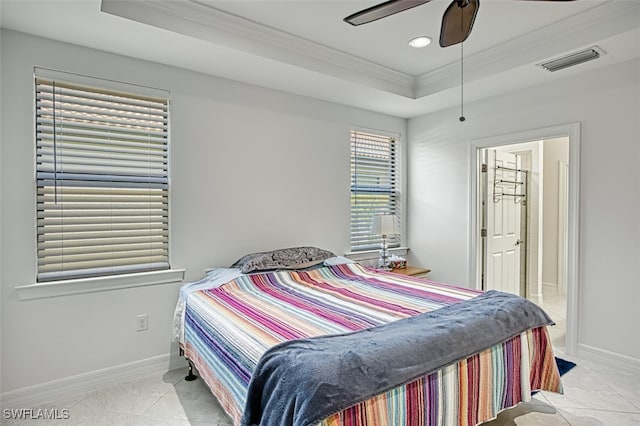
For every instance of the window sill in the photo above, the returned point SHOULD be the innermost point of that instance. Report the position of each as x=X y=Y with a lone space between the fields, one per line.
x=91 y=285
x=359 y=256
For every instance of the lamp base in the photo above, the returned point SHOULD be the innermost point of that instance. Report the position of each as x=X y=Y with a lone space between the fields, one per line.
x=383 y=260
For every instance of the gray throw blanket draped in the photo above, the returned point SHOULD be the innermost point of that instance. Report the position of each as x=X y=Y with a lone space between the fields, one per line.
x=301 y=382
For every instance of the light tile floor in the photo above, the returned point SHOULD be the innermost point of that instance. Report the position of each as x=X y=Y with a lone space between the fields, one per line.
x=556 y=306
x=595 y=394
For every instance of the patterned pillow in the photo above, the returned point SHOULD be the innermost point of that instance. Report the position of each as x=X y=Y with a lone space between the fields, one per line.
x=288 y=258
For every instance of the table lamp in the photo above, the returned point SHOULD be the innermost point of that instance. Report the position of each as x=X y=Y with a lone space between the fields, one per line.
x=384 y=224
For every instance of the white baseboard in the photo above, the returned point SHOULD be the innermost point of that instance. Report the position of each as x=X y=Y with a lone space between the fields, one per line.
x=74 y=386
x=613 y=359
x=536 y=298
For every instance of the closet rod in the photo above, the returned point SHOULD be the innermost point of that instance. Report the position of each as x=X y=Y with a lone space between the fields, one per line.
x=509 y=181
x=501 y=194
x=511 y=169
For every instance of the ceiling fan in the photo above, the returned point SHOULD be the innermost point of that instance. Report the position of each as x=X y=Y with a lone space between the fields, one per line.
x=457 y=20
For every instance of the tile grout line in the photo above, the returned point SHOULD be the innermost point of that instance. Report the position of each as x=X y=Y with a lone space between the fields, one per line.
x=624 y=397
x=172 y=387
x=600 y=410
x=560 y=409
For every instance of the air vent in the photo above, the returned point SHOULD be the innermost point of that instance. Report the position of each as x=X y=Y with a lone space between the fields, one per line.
x=572 y=59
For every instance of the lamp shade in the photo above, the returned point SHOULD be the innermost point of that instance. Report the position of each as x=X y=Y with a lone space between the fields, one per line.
x=384 y=224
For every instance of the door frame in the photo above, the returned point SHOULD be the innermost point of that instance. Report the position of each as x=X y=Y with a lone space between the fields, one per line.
x=571 y=131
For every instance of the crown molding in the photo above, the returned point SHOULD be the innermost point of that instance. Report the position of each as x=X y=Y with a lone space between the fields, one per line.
x=607 y=20
x=201 y=20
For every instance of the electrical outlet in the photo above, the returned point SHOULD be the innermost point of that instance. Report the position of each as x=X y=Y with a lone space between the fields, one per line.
x=143 y=322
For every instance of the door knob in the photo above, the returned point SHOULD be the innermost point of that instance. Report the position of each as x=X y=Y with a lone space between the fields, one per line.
x=519 y=241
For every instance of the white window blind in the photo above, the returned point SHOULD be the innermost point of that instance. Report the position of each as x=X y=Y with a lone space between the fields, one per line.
x=102 y=181
x=374 y=187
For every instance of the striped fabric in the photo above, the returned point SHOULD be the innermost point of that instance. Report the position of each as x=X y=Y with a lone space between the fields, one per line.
x=228 y=328
x=469 y=392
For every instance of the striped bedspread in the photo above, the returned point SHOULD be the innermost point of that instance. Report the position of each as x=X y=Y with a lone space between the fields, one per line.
x=228 y=328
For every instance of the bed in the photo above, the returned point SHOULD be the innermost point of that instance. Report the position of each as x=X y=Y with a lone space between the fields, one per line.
x=246 y=329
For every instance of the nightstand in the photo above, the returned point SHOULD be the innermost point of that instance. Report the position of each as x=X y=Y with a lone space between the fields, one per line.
x=412 y=270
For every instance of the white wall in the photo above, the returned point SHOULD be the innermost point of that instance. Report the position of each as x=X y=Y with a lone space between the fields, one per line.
x=252 y=169
x=606 y=102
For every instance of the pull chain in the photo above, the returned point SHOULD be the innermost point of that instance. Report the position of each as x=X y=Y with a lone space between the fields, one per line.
x=462 y=64
x=462 y=82
x=55 y=149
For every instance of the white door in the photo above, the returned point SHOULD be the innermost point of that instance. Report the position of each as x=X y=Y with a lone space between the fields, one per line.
x=503 y=205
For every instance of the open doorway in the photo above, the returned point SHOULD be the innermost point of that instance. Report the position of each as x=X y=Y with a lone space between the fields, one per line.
x=524 y=221
x=523 y=209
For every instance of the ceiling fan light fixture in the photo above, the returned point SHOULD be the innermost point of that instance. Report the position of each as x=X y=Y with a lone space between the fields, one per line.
x=572 y=59
x=420 y=42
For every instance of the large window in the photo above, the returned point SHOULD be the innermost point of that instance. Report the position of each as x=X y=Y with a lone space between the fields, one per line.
x=102 y=180
x=374 y=187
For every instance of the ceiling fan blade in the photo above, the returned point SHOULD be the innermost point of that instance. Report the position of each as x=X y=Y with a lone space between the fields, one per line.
x=382 y=10
x=457 y=21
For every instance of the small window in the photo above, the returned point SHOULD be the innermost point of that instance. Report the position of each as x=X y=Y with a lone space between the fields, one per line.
x=102 y=180
x=374 y=187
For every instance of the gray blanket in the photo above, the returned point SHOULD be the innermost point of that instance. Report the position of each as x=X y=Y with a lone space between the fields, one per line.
x=301 y=382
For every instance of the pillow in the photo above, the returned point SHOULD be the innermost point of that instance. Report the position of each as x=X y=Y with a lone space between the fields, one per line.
x=338 y=260
x=288 y=258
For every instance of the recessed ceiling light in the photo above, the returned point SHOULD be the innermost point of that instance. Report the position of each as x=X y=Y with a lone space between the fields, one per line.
x=418 y=42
